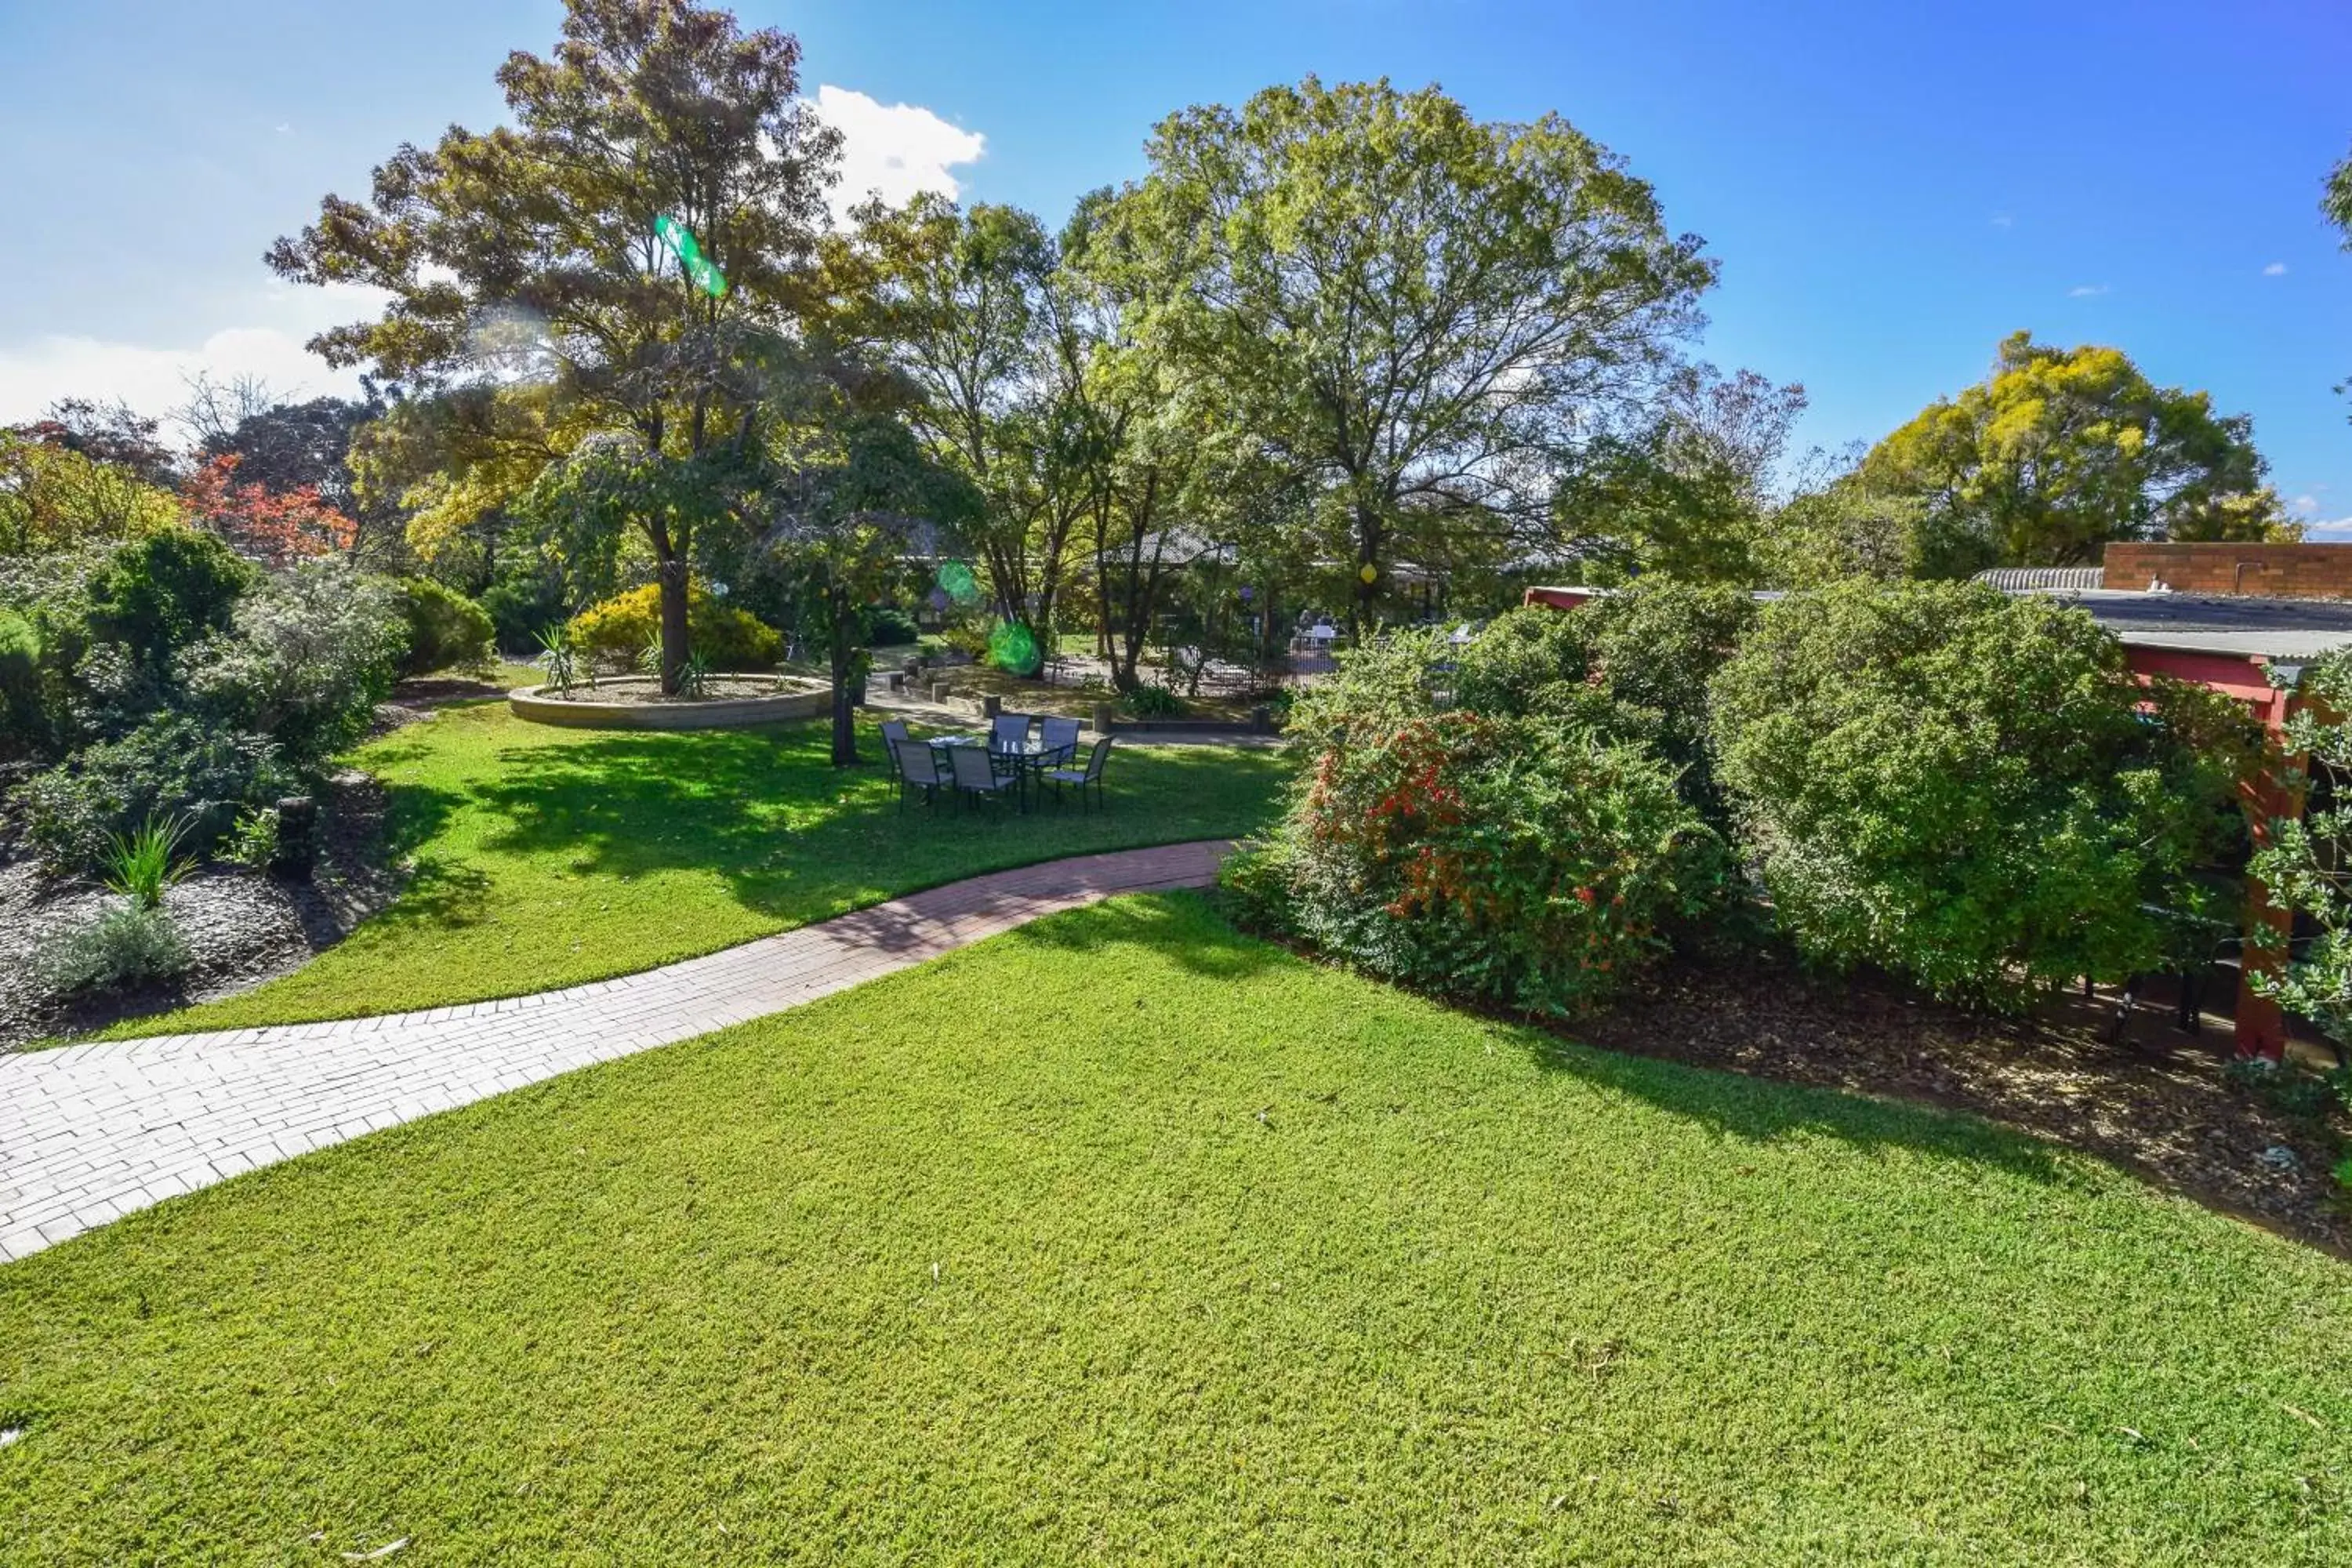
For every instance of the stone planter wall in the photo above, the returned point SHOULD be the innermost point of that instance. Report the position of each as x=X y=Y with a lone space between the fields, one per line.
x=727 y=712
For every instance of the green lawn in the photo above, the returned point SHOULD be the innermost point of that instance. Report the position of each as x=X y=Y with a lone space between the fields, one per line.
x=1124 y=1238
x=548 y=857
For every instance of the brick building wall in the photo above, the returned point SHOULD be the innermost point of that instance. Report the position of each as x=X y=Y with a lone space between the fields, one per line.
x=2266 y=571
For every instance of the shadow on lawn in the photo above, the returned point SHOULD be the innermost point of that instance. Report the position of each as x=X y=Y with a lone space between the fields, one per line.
x=1189 y=932
x=795 y=838
x=1759 y=1110
x=1182 y=928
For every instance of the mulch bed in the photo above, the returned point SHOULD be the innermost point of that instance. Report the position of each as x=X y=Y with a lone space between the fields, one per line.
x=241 y=927
x=2155 y=1102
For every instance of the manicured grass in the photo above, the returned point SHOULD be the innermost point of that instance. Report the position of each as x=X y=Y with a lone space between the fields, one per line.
x=1123 y=1238
x=548 y=857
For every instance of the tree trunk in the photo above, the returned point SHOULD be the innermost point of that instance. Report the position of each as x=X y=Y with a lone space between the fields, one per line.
x=1368 y=550
x=674 y=648
x=845 y=719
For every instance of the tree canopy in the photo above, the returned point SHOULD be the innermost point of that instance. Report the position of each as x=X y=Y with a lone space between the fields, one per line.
x=527 y=256
x=1419 y=310
x=2061 y=451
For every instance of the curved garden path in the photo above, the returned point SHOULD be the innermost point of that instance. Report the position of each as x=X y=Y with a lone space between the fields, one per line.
x=92 y=1133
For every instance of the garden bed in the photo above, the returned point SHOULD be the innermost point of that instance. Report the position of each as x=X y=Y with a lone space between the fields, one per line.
x=241 y=927
x=639 y=703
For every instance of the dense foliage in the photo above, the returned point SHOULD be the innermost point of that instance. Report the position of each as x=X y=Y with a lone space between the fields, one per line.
x=311 y=652
x=2060 y=451
x=172 y=767
x=170 y=679
x=1633 y=665
x=1524 y=859
x=621 y=628
x=1962 y=787
x=445 y=629
x=2305 y=863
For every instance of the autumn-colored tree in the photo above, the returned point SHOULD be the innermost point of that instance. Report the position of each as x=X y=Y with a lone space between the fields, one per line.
x=279 y=527
x=525 y=258
x=53 y=497
x=2061 y=451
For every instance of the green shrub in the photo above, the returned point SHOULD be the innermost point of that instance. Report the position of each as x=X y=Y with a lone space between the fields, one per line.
x=726 y=637
x=313 y=652
x=887 y=625
x=445 y=629
x=26 y=729
x=2304 y=865
x=171 y=766
x=1634 y=664
x=1962 y=787
x=523 y=600
x=1152 y=701
x=253 y=842
x=163 y=594
x=127 y=946
x=1529 y=861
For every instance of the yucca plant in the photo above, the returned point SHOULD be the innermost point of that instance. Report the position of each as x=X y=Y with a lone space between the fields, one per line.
x=140 y=866
x=649 y=659
x=694 y=677
x=559 y=660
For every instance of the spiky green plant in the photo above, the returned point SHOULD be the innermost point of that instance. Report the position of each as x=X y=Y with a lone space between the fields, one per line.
x=141 y=864
x=558 y=660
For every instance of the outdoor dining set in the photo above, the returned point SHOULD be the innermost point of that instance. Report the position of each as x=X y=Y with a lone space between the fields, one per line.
x=1018 y=755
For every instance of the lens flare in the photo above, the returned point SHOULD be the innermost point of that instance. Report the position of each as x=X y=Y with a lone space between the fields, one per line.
x=958 y=584
x=690 y=260
x=1013 y=648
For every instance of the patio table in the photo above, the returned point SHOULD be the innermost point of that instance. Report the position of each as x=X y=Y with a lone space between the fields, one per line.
x=1027 y=758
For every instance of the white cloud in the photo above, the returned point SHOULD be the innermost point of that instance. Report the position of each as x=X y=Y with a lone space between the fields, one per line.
x=2003 y=220
x=893 y=150
x=153 y=379
x=2087 y=292
x=2275 y=269
x=2333 y=531
x=2304 y=504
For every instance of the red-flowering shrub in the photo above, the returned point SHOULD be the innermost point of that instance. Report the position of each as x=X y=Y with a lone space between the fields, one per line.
x=1524 y=860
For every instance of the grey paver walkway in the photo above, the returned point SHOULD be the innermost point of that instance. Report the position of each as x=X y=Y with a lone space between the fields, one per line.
x=92 y=1133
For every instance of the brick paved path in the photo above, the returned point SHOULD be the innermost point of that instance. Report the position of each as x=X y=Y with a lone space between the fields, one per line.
x=89 y=1133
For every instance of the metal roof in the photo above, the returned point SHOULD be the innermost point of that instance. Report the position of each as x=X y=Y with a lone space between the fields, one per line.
x=2035 y=579
x=2202 y=623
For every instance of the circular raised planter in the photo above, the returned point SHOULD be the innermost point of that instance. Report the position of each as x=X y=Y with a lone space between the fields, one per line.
x=638 y=704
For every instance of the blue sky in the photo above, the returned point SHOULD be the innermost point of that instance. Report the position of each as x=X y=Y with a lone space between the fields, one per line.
x=1890 y=187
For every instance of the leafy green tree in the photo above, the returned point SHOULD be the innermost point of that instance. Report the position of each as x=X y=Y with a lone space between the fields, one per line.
x=525 y=258
x=1414 y=307
x=2061 y=451
x=55 y=498
x=1963 y=787
x=1687 y=492
x=971 y=307
x=848 y=496
x=1840 y=529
